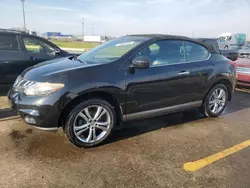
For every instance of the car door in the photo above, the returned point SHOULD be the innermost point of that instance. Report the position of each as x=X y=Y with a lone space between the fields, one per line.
x=166 y=83
x=11 y=58
x=37 y=50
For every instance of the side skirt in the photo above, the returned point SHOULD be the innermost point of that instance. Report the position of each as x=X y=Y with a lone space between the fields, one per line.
x=161 y=111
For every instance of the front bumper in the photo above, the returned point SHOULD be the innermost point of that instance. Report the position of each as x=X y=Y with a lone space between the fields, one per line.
x=41 y=111
x=243 y=79
x=243 y=83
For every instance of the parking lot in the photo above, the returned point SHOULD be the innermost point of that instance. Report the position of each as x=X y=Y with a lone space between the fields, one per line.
x=148 y=153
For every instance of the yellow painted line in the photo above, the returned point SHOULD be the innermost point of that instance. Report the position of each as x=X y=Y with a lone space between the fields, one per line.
x=196 y=165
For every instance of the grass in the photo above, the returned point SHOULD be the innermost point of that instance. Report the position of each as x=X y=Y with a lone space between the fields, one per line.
x=75 y=44
x=61 y=44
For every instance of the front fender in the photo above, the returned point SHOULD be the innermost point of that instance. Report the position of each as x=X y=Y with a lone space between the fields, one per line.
x=118 y=93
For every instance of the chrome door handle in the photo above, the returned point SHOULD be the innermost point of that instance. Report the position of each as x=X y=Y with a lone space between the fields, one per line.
x=184 y=73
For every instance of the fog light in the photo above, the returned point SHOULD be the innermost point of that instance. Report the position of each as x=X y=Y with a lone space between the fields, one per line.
x=29 y=120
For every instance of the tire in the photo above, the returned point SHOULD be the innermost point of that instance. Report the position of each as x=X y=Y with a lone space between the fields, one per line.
x=210 y=97
x=78 y=116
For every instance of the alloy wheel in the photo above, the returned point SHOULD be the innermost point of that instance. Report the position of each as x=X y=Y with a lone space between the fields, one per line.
x=217 y=100
x=92 y=124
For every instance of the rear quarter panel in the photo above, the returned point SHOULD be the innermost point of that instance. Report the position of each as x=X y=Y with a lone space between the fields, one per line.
x=223 y=70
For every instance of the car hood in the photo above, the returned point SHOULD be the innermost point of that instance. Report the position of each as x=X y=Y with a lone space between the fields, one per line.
x=53 y=67
x=243 y=62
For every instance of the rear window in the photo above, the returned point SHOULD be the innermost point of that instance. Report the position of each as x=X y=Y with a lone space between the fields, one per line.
x=195 y=52
x=8 y=42
x=213 y=44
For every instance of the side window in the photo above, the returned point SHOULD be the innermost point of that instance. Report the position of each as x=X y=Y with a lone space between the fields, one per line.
x=165 y=52
x=195 y=52
x=35 y=45
x=9 y=42
x=154 y=49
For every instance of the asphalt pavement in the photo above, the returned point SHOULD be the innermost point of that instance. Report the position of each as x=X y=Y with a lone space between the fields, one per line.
x=148 y=153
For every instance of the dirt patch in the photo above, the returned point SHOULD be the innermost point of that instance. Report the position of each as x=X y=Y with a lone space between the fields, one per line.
x=29 y=131
x=4 y=102
x=16 y=135
x=47 y=145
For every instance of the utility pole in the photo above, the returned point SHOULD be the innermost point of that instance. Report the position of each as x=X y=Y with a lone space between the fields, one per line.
x=193 y=32
x=24 y=21
x=93 y=29
x=83 y=29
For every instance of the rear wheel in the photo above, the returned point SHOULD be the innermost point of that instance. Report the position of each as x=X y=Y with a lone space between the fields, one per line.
x=90 y=123
x=215 y=101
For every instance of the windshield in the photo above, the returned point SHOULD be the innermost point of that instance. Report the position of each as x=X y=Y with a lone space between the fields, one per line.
x=111 y=50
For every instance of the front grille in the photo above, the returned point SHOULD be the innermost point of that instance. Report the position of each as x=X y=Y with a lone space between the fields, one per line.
x=20 y=84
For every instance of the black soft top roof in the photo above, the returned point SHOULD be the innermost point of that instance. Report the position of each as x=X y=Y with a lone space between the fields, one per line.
x=209 y=47
x=211 y=42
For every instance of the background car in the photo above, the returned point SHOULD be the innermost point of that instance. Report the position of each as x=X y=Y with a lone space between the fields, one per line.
x=244 y=52
x=243 y=72
x=229 y=41
x=230 y=54
x=20 y=50
x=129 y=78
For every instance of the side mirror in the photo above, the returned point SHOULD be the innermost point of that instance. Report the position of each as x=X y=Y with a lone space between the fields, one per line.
x=141 y=62
x=57 y=52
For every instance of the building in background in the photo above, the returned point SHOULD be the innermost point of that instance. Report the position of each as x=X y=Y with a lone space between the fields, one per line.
x=86 y=38
x=60 y=36
x=56 y=35
x=79 y=38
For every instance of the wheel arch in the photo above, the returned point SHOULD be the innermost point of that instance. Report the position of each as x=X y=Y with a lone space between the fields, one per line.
x=225 y=82
x=91 y=95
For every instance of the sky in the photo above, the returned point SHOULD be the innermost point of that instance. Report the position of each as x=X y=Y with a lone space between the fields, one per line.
x=201 y=18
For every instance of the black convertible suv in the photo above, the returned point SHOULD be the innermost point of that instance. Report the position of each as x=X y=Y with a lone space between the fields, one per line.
x=132 y=77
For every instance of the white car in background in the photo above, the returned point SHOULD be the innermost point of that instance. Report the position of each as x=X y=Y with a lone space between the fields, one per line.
x=230 y=41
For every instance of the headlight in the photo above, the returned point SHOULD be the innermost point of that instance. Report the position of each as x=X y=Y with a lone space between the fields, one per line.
x=43 y=88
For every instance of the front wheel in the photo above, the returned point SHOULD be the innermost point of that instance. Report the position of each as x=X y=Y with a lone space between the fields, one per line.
x=90 y=123
x=215 y=101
